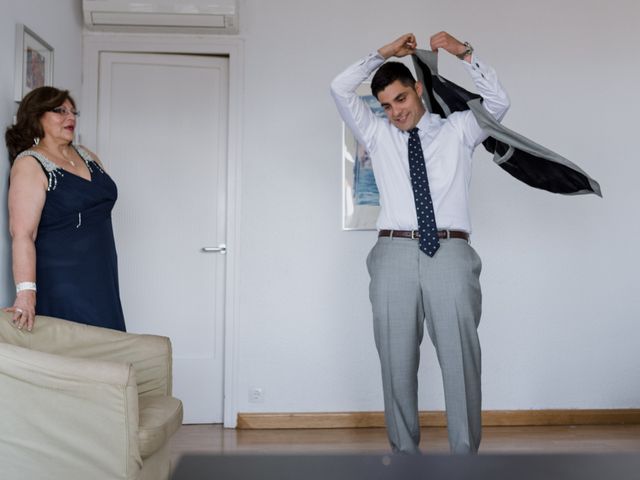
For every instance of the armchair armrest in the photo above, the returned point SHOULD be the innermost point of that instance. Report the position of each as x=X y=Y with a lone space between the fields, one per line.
x=150 y=355
x=78 y=417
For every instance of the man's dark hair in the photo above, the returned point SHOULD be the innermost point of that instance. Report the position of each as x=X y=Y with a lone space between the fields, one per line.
x=389 y=73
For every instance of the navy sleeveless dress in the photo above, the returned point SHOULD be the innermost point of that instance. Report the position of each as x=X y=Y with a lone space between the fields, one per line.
x=76 y=260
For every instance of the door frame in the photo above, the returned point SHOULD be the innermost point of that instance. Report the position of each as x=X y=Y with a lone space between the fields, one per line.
x=233 y=48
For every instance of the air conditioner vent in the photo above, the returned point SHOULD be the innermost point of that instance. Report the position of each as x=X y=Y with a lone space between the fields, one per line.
x=153 y=16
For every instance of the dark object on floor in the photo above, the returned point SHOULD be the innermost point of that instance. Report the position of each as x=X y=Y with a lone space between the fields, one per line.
x=386 y=467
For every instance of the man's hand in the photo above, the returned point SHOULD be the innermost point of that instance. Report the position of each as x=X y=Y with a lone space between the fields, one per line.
x=404 y=45
x=449 y=43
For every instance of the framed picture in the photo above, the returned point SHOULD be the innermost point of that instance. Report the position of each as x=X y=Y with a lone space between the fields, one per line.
x=360 y=197
x=34 y=62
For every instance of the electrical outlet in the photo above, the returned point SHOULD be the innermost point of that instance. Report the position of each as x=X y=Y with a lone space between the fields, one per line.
x=256 y=395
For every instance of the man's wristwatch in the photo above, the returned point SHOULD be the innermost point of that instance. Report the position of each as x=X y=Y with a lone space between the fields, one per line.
x=468 y=51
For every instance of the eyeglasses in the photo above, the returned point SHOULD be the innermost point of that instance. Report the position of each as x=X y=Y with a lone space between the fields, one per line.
x=65 y=111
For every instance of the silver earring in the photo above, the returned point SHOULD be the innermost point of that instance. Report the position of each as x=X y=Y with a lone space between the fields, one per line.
x=36 y=141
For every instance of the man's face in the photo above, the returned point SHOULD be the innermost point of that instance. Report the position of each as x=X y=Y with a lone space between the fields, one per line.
x=402 y=104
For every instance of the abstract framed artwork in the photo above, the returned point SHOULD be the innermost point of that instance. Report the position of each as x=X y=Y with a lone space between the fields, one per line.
x=34 y=62
x=360 y=197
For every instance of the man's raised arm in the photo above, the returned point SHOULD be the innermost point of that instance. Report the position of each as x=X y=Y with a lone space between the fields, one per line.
x=353 y=110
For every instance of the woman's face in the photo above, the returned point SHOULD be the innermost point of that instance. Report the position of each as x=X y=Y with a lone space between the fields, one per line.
x=60 y=123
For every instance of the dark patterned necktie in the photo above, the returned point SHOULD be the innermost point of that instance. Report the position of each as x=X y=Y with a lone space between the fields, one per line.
x=429 y=242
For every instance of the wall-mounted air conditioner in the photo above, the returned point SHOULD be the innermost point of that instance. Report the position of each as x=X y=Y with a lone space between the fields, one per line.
x=188 y=16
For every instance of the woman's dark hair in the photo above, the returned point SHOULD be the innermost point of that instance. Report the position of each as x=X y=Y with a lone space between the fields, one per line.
x=36 y=103
x=389 y=73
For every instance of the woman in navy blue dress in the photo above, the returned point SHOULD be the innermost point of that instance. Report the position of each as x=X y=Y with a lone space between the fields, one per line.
x=60 y=202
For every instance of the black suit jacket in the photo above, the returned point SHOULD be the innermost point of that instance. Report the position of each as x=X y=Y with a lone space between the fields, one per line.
x=526 y=160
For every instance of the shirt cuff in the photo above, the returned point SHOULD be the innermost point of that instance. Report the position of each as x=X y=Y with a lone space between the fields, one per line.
x=476 y=67
x=372 y=61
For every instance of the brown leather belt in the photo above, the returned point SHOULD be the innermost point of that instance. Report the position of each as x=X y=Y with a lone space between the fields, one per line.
x=416 y=235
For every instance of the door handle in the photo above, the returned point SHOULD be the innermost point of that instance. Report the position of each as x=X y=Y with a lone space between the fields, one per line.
x=221 y=249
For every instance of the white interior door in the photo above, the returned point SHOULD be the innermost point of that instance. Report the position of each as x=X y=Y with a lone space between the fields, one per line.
x=162 y=130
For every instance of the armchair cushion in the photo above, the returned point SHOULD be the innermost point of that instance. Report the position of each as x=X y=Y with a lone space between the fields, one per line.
x=160 y=418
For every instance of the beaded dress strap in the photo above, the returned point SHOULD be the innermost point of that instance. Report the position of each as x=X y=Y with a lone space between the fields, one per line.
x=46 y=164
x=51 y=170
x=88 y=159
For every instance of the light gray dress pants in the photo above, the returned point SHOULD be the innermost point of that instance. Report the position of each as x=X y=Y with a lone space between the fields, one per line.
x=408 y=288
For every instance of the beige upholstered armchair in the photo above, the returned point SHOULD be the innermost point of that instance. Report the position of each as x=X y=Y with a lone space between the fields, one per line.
x=81 y=402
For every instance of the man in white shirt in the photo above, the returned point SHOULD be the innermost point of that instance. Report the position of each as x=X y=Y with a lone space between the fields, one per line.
x=436 y=278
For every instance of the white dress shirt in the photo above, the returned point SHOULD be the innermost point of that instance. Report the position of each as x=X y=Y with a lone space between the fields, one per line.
x=447 y=143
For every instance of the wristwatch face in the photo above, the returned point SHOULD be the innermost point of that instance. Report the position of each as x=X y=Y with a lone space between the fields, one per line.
x=468 y=51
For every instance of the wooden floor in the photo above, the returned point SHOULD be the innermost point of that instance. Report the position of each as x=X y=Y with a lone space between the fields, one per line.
x=523 y=440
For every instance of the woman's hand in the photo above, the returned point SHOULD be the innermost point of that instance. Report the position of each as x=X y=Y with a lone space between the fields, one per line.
x=24 y=310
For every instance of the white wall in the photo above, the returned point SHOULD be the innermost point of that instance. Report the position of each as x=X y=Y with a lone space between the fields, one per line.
x=59 y=23
x=560 y=324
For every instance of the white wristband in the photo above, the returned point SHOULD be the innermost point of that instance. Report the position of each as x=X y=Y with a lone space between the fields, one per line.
x=25 y=286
